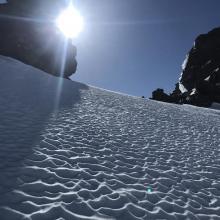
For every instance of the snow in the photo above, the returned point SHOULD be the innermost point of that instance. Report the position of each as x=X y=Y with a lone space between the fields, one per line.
x=87 y=153
x=182 y=88
x=215 y=105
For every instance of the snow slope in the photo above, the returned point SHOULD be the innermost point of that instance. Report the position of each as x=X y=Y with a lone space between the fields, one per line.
x=87 y=153
x=216 y=106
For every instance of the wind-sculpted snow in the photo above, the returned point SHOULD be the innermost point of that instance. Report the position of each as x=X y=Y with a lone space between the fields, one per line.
x=101 y=155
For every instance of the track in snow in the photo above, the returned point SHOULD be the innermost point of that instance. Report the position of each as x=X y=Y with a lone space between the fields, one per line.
x=99 y=153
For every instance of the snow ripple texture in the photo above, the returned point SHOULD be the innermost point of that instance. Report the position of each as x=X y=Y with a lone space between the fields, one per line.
x=98 y=155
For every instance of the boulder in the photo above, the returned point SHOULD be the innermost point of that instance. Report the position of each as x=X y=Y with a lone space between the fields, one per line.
x=28 y=33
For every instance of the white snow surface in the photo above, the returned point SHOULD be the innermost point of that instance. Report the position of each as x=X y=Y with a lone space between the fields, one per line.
x=101 y=155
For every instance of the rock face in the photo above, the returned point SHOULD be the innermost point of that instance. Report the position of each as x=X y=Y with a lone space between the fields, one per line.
x=28 y=34
x=200 y=78
x=201 y=70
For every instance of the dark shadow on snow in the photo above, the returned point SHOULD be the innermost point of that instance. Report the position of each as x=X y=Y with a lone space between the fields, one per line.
x=27 y=100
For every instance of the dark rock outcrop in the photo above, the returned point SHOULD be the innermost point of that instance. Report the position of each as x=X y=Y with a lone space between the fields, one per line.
x=200 y=78
x=28 y=34
x=160 y=95
x=174 y=97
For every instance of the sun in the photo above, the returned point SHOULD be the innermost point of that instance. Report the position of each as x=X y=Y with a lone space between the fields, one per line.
x=70 y=22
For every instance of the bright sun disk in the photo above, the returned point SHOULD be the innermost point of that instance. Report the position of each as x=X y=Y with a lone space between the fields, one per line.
x=70 y=22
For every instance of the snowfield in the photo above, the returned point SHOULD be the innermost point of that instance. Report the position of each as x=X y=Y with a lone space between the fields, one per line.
x=73 y=152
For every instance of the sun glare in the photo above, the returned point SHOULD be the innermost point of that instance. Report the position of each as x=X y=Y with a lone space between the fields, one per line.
x=70 y=22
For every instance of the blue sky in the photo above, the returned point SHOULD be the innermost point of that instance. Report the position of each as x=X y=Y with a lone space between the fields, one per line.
x=136 y=46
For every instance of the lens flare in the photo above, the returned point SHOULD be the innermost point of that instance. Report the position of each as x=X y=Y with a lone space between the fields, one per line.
x=70 y=22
